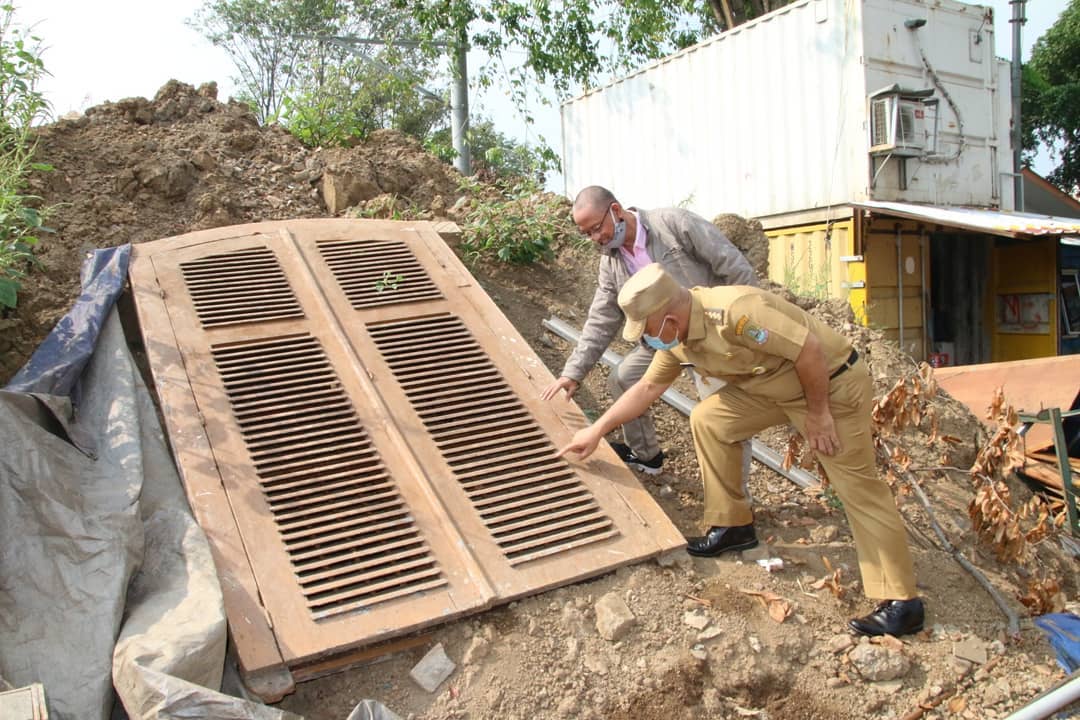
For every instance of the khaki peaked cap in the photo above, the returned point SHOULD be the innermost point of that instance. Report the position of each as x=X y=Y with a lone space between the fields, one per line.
x=648 y=290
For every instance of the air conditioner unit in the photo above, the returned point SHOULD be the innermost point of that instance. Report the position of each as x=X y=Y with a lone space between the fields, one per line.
x=897 y=126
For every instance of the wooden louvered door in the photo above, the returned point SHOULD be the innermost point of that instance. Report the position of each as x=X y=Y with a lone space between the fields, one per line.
x=371 y=423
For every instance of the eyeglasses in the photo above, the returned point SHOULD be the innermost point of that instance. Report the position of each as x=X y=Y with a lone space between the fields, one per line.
x=597 y=227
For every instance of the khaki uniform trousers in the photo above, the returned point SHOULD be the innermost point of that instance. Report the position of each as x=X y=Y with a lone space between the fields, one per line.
x=722 y=421
x=640 y=433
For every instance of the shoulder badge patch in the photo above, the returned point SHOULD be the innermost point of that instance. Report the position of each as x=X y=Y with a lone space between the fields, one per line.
x=717 y=316
x=754 y=332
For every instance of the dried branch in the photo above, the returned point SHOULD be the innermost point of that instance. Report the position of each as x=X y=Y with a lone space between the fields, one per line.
x=1014 y=620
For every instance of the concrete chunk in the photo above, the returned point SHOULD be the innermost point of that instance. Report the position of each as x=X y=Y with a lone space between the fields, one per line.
x=613 y=617
x=432 y=669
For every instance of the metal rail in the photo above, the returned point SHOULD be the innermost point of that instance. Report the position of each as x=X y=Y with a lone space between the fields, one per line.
x=1055 y=417
x=761 y=452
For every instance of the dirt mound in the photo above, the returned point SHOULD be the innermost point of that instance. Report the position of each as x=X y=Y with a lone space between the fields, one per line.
x=139 y=170
x=748 y=236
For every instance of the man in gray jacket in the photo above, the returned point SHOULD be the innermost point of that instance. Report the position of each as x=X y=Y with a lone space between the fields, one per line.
x=689 y=247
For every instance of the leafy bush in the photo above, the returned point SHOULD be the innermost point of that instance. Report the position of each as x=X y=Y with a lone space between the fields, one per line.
x=349 y=102
x=515 y=222
x=21 y=103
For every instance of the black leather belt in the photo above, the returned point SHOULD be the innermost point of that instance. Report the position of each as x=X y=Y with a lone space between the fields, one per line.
x=851 y=360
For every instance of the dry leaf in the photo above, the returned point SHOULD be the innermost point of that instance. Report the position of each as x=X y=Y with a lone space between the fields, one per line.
x=779 y=609
x=957 y=704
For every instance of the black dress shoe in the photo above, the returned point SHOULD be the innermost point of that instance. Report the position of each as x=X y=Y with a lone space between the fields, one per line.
x=722 y=539
x=891 y=617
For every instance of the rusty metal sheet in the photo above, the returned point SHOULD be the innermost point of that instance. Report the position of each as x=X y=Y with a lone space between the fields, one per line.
x=360 y=433
x=1029 y=386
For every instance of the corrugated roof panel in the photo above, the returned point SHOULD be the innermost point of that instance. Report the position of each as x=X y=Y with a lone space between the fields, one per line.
x=1008 y=224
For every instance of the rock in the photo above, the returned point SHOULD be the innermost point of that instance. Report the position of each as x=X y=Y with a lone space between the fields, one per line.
x=997 y=692
x=696 y=619
x=835 y=682
x=961 y=666
x=970 y=648
x=343 y=189
x=477 y=650
x=709 y=633
x=596 y=665
x=876 y=663
x=170 y=179
x=699 y=652
x=754 y=643
x=824 y=534
x=840 y=643
x=676 y=557
x=889 y=687
x=435 y=667
x=613 y=617
x=666 y=491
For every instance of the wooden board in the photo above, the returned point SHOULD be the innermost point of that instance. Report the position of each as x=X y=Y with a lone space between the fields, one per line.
x=360 y=433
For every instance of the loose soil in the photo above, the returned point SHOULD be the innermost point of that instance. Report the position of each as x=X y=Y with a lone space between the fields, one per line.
x=700 y=645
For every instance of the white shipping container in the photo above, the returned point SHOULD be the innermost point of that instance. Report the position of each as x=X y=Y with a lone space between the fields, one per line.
x=777 y=116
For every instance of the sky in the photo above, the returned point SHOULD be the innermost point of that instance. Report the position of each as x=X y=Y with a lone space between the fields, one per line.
x=107 y=50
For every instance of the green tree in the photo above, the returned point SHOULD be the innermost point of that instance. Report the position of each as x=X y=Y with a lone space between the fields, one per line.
x=495 y=154
x=1051 y=98
x=21 y=105
x=295 y=49
x=360 y=95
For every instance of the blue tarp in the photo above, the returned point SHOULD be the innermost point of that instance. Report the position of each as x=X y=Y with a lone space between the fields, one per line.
x=56 y=365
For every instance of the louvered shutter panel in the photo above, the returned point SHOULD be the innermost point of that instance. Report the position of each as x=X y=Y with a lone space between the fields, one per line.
x=360 y=434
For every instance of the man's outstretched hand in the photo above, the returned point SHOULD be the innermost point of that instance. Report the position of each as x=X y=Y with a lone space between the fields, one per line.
x=565 y=384
x=582 y=444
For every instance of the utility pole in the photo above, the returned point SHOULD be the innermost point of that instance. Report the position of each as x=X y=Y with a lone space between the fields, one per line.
x=459 y=103
x=1017 y=22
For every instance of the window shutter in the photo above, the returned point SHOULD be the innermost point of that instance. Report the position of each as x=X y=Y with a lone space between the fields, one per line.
x=359 y=433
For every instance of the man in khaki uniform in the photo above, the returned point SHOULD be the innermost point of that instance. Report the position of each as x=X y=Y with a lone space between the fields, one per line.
x=780 y=365
x=690 y=248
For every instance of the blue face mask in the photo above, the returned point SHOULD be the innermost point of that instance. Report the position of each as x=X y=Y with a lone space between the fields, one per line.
x=618 y=235
x=656 y=343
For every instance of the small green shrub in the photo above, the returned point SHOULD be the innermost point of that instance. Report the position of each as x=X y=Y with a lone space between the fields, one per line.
x=21 y=104
x=517 y=223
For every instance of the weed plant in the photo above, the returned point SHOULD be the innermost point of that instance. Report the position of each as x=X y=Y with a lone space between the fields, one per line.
x=22 y=217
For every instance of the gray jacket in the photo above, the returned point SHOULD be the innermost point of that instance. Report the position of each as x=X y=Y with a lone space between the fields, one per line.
x=690 y=248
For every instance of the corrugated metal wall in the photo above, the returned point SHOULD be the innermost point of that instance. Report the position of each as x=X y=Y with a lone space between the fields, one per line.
x=748 y=122
x=770 y=118
x=897 y=273
x=819 y=260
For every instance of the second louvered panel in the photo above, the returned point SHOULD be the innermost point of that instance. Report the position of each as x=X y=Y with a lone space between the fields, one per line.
x=532 y=502
x=377 y=272
x=349 y=536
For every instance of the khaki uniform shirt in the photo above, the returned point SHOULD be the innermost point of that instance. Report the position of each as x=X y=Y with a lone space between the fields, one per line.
x=750 y=339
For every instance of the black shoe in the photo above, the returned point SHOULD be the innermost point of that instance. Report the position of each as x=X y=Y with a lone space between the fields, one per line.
x=722 y=539
x=891 y=617
x=651 y=467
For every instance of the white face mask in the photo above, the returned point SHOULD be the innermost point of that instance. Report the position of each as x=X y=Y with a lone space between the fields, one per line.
x=618 y=235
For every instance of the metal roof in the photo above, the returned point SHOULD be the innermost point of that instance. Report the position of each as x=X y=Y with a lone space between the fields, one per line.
x=997 y=222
